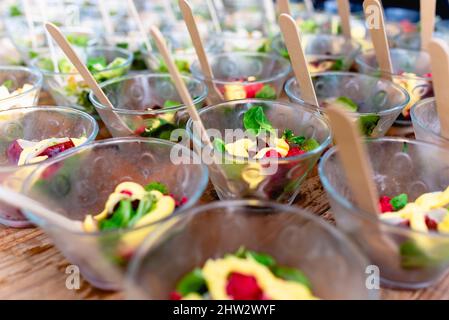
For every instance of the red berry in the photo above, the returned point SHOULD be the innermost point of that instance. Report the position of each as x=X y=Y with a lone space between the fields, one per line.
x=13 y=152
x=175 y=296
x=140 y=130
x=51 y=170
x=127 y=192
x=57 y=148
x=242 y=287
x=295 y=151
x=428 y=75
x=431 y=224
x=252 y=89
x=272 y=154
x=385 y=205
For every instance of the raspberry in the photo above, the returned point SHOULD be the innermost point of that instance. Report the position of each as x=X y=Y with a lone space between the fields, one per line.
x=139 y=130
x=295 y=151
x=127 y=192
x=252 y=89
x=13 y=152
x=431 y=224
x=175 y=296
x=385 y=205
x=242 y=287
x=57 y=148
x=272 y=154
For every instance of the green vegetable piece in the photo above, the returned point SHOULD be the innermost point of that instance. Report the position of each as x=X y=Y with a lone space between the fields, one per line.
x=262 y=258
x=292 y=274
x=255 y=121
x=122 y=45
x=310 y=144
x=145 y=206
x=96 y=63
x=14 y=11
x=309 y=26
x=182 y=65
x=339 y=65
x=368 y=123
x=8 y=84
x=120 y=217
x=32 y=54
x=171 y=103
x=399 y=201
x=267 y=92
x=64 y=65
x=219 y=145
x=117 y=62
x=78 y=40
x=412 y=256
x=158 y=186
x=346 y=103
x=192 y=282
x=292 y=139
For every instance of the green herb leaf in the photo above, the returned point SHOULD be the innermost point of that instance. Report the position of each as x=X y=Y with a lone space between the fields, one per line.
x=192 y=282
x=267 y=92
x=81 y=40
x=158 y=186
x=255 y=121
x=14 y=11
x=347 y=103
x=8 y=84
x=399 y=201
x=262 y=258
x=122 y=45
x=412 y=256
x=120 y=217
x=219 y=145
x=290 y=137
x=182 y=65
x=368 y=123
x=171 y=103
x=96 y=63
x=145 y=206
x=292 y=274
x=339 y=65
x=310 y=144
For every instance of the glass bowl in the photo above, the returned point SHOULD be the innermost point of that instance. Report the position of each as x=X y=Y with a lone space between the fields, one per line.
x=35 y=124
x=406 y=258
x=412 y=40
x=69 y=89
x=379 y=101
x=280 y=179
x=324 y=52
x=292 y=236
x=82 y=180
x=241 y=75
x=149 y=103
x=15 y=78
x=411 y=70
x=426 y=122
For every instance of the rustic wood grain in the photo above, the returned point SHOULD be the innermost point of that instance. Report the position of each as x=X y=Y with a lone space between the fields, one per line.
x=32 y=268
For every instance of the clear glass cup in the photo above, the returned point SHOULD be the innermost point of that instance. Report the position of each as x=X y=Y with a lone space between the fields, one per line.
x=292 y=236
x=379 y=101
x=426 y=122
x=280 y=180
x=35 y=124
x=16 y=78
x=406 y=259
x=241 y=75
x=324 y=52
x=81 y=182
x=411 y=70
x=149 y=104
x=69 y=89
x=412 y=40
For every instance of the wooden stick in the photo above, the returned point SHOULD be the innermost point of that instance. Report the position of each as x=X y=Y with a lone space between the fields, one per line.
x=284 y=7
x=186 y=10
x=43 y=10
x=344 y=10
x=214 y=15
x=133 y=11
x=353 y=155
x=375 y=20
x=23 y=202
x=113 y=122
x=298 y=59
x=30 y=23
x=439 y=54
x=309 y=6
x=180 y=85
x=106 y=18
x=428 y=9
x=270 y=14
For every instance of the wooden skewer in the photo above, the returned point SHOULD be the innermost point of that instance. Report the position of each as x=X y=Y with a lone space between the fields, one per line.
x=298 y=58
x=375 y=21
x=113 y=122
x=428 y=9
x=133 y=11
x=214 y=94
x=344 y=12
x=439 y=54
x=284 y=7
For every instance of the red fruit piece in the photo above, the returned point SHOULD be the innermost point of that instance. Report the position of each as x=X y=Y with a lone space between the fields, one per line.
x=431 y=224
x=50 y=171
x=140 y=130
x=242 y=287
x=295 y=151
x=127 y=192
x=272 y=154
x=13 y=152
x=57 y=148
x=252 y=89
x=175 y=296
x=385 y=205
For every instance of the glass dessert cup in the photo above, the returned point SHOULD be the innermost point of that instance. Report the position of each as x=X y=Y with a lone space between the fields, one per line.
x=426 y=122
x=406 y=258
x=35 y=124
x=8 y=53
x=241 y=75
x=412 y=40
x=149 y=104
x=379 y=101
x=278 y=180
x=15 y=78
x=324 y=52
x=82 y=181
x=411 y=70
x=292 y=236
x=69 y=89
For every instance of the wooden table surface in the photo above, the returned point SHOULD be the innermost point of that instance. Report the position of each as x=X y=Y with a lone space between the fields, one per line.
x=32 y=268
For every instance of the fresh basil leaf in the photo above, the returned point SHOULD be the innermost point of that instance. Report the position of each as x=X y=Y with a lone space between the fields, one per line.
x=219 y=145
x=8 y=84
x=399 y=202
x=310 y=144
x=262 y=258
x=158 y=186
x=368 y=123
x=255 y=121
x=292 y=274
x=120 y=217
x=192 y=282
x=267 y=92
x=171 y=104
x=96 y=63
